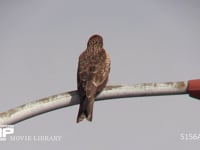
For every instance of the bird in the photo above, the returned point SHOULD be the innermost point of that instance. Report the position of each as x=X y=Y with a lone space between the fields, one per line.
x=92 y=75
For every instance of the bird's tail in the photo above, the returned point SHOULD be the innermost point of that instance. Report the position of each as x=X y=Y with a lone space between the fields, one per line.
x=85 y=110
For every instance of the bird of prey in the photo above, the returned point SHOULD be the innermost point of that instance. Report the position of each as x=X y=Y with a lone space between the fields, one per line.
x=92 y=75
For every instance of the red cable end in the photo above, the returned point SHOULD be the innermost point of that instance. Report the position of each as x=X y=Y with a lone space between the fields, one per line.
x=194 y=88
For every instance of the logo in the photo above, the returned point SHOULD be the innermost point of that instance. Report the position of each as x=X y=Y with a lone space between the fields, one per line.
x=6 y=130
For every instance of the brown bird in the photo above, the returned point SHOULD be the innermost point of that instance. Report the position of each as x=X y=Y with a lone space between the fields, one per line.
x=92 y=75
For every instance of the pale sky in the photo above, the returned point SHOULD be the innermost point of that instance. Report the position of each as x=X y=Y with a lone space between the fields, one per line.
x=148 y=41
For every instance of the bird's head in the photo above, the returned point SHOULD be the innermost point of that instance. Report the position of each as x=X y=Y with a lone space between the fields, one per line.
x=95 y=41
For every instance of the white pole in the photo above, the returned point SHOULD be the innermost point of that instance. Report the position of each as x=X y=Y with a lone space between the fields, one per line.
x=57 y=101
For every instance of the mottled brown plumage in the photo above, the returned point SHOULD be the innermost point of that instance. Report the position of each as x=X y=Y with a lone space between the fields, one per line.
x=92 y=75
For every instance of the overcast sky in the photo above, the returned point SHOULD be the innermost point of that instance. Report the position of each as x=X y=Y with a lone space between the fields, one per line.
x=148 y=41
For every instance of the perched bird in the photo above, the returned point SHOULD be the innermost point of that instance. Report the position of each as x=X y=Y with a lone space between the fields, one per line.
x=92 y=75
